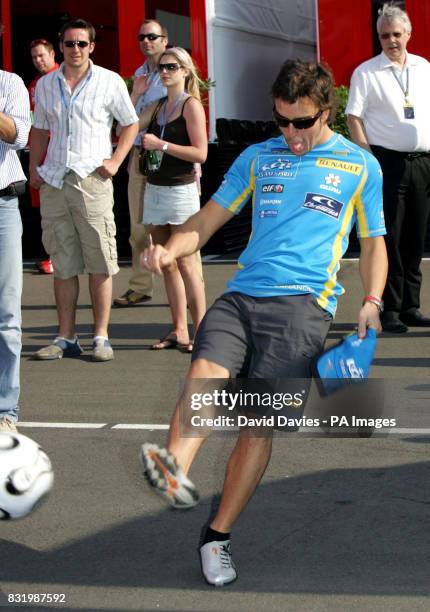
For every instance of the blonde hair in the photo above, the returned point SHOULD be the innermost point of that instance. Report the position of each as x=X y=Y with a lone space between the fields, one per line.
x=192 y=80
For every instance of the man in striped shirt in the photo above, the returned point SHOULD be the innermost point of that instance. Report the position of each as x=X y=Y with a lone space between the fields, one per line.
x=147 y=88
x=14 y=129
x=77 y=105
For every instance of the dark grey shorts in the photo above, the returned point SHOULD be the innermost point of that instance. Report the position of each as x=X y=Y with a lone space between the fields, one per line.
x=263 y=337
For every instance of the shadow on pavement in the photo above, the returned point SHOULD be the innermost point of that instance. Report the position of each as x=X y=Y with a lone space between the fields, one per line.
x=342 y=531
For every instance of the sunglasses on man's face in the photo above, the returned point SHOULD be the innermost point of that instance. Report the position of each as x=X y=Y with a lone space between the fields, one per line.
x=151 y=37
x=299 y=124
x=169 y=67
x=387 y=35
x=76 y=43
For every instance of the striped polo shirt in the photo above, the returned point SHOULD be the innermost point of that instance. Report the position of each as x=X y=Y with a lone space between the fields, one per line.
x=80 y=122
x=14 y=103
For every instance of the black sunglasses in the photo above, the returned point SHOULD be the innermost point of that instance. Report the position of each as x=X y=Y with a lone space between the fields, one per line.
x=299 y=124
x=76 y=43
x=170 y=67
x=151 y=37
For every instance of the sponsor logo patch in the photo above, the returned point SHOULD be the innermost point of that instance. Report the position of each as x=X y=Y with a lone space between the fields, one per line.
x=331 y=183
x=332 y=179
x=278 y=164
x=337 y=164
x=323 y=204
x=272 y=188
x=267 y=213
x=265 y=201
x=276 y=167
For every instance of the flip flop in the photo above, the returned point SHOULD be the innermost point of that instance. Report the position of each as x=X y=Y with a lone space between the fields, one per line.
x=164 y=344
x=187 y=347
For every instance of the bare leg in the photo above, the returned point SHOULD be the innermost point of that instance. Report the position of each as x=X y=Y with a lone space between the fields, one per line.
x=66 y=297
x=185 y=449
x=245 y=468
x=174 y=288
x=246 y=465
x=194 y=288
x=101 y=297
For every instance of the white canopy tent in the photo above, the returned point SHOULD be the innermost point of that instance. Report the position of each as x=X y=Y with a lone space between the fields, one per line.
x=247 y=42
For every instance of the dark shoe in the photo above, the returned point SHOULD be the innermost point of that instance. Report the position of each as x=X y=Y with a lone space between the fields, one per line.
x=131 y=298
x=414 y=318
x=391 y=323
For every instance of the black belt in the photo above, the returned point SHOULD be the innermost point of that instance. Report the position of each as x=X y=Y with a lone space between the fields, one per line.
x=403 y=154
x=14 y=189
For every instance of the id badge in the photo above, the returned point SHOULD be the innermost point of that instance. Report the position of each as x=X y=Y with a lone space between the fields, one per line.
x=409 y=111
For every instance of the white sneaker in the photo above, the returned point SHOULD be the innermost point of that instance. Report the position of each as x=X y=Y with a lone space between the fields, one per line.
x=7 y=425
x=102 y=349
x=163 y=473
x=217 y=564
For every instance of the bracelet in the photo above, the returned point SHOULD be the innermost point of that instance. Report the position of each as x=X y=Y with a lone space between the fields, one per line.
x=373 y=299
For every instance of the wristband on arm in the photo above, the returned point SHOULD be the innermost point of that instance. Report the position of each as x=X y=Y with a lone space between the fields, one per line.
x=374 y=300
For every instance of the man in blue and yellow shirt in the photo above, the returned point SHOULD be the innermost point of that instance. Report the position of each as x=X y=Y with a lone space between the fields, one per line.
x=307 y=187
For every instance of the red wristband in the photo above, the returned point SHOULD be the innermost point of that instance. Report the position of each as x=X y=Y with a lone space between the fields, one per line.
x=374 y=300
x=367 y=298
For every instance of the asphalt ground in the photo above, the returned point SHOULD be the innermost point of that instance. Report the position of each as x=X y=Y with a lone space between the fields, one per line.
x=337 y=524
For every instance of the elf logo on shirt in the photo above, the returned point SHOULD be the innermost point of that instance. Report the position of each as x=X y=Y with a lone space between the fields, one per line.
x=274 y=188
x=323 y=204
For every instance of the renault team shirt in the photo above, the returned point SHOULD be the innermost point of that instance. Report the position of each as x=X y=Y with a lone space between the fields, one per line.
x=303 y=210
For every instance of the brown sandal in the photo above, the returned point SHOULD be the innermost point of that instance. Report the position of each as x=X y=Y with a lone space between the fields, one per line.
x=187 y=347
x=165 y=343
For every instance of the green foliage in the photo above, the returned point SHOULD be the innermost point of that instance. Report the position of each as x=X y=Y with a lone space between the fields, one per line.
x=129 y=82
x=204 y=86
x=339 y=123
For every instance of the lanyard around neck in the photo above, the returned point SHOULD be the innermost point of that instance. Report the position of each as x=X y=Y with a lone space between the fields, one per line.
x=164 y=118
x=405 y=90
x=74 y=94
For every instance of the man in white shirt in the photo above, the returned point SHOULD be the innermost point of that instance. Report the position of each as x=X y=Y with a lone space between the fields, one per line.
x=388 y=115
x=76 y=106
x=147 y=88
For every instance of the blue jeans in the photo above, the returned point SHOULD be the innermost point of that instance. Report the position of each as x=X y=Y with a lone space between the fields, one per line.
x=10 y=305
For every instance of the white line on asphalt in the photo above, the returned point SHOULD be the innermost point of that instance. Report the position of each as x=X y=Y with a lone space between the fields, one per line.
x=41 y=425
x=139 y=426
x=62 y=425
x=422 y=431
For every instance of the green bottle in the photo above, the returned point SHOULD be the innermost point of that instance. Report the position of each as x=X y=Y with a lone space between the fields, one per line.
x=153 y=159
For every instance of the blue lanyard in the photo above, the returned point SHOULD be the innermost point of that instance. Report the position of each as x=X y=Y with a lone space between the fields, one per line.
x=67 y=106
x=405 y=91
x=164 y=119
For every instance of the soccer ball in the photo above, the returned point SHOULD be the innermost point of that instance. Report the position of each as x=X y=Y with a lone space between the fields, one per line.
x=26 y=475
